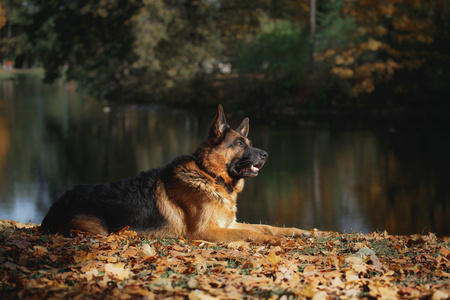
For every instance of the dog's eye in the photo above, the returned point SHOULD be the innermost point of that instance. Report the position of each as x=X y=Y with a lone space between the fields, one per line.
x=239 y=142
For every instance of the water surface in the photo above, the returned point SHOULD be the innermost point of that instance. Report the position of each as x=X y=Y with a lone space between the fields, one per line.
x=51 y=139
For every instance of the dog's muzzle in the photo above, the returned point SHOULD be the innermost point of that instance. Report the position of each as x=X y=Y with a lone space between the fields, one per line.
x=250 y=164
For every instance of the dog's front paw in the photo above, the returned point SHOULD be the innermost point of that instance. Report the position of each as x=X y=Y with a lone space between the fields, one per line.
x=295 y=232
x=274 y=241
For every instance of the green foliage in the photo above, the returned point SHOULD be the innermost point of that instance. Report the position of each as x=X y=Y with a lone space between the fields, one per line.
x=173 y=38
x=279 y=57
x=335 y=30
x=92 y=40
x=281 y=50
x=15 y=43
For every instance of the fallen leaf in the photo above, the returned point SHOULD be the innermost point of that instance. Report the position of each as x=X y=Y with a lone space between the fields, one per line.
x=363 y=252
x=309 y=269
x=322 y=266
x=92 y=273
x=128 y=233
x=138 y=291
x=200 y=295
x=375 y=262
x=445 y=252
x=238 y=245
x=351 y=276
x=439 y=295
x=146 y=250
x=118 y=271
x=130 y=252
x=200 y=243
x=40 y=250
x=273 y=258
x=21 y=244
x=10 y=265
x=83 y=256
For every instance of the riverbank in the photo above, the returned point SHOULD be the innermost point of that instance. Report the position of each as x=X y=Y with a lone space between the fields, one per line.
x=127 y=265
x=18 y=73
x=289 y=113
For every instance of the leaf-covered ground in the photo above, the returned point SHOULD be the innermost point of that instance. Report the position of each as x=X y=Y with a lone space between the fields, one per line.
x=126 y=265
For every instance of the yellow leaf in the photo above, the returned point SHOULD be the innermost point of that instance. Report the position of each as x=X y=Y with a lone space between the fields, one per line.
x=118 y=271
x=351 y=276
x=147 y=250
x=438 y=295
x=40 y=250
x=55 y=283
x=320 y=295
x=83 y=256
x=273 y=258
x=337 y=282
x=354 y=260
x=91 y=274
x=344 y=73
x=357 y=264
x=199 y=295
x=238 y=245
x=309 y=268
x=373 y=45
x=307 y=292
x=137 y=291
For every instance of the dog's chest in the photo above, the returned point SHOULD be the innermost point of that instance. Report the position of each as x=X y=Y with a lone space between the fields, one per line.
x=225 y=215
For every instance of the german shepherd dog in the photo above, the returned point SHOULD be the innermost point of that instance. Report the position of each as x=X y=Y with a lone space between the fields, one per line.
x=194 y=196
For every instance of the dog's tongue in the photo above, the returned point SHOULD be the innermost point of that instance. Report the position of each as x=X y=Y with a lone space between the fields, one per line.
x=254 y=169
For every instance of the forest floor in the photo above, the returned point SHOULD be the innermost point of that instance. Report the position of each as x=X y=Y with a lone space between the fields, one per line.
x=125 y=265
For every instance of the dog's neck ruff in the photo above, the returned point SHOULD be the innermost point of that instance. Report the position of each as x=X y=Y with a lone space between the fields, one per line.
x=226 y=186
x=218 y=179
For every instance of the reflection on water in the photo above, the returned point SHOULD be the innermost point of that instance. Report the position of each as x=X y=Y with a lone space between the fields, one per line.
x=52 y=139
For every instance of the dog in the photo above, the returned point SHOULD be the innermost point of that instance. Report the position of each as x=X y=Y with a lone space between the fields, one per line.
x=194 y=196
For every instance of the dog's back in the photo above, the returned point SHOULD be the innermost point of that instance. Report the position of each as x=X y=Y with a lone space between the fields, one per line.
x=108 y=207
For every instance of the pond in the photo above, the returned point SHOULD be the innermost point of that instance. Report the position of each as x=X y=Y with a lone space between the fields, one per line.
x=347 y=180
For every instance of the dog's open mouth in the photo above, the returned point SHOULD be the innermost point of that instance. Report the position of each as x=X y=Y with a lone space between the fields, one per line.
x=249 y=170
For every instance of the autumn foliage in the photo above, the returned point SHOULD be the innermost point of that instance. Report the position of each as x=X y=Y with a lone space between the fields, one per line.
x=126 y=265
x=268 y=54
x=387 y=38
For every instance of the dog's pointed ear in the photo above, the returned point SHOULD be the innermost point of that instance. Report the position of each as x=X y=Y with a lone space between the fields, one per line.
x=243 y=128
x=219 y=124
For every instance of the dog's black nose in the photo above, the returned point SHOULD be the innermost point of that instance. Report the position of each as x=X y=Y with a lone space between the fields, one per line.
x=264 y=154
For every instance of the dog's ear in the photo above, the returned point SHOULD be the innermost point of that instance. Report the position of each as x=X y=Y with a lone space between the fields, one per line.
x=243 y=128
x=219 y=124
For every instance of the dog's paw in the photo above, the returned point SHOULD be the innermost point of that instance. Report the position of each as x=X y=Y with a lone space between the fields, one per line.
x=295 y=232
x=275 y=241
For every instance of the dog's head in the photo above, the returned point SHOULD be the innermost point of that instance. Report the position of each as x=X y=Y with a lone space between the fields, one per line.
x=229 y=153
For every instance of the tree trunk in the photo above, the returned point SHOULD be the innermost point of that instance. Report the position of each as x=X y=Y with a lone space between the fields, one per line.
x=312 y=17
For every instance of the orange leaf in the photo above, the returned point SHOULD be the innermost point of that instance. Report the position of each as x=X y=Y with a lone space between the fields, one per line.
x=273 y=258
x=445 y=252
x=83 y=256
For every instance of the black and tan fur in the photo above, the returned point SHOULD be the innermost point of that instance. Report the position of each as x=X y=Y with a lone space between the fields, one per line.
x=194 y=196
